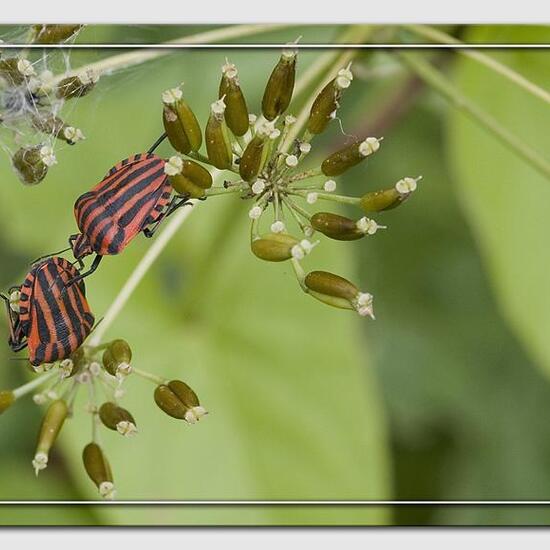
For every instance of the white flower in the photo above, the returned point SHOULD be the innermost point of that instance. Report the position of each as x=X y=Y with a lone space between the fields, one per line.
x=255 y=212
x=329 y=186
x=47 y=156
x=406 y=186
x=173 y=166
x=369 y=146
x=277 y=227
x=368 y=226
x=291 y=160
x=169 y=97
x=312 y=197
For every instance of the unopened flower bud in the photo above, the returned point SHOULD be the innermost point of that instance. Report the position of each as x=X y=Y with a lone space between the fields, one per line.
x=98 y=469
x=51 y=426
x=178 y=400
x=7 y=398
x=77 y=86
x=117 y=357
x=274 y=247
x=32 y=163
x=349 y=156
x=118 y=419
x=338 y=292
x=236 y=113
x=54 y=34
x=387 y=199
x=279 y=88
x=189 y=124
x=218 y=144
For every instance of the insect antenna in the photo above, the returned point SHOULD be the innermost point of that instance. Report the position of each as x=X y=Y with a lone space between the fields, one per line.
x=157 y=143
x=50 y=255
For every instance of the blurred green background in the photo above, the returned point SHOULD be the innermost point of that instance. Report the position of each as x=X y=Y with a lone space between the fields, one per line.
x=445 y=397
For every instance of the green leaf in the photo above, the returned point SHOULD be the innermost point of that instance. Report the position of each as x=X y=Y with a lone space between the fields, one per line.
x=294 y=408
x=505 y=200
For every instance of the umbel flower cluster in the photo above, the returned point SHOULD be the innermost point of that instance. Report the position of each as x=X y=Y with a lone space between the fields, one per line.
x=263 y=159
x=32 y=98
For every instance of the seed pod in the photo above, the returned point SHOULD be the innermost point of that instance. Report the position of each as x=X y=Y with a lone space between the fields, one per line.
x=116 y=418
x=98 y=469
x=279 y=88
x=117 y=357
x=341 y=228
x=187 y=119
x=76 y=86
x=174 y=131
x=51 y=426
x=178 y=400
x=7 y=398
x=387 y=199
x=327 y=102
x=31 y=163
x=349 y=156
x=218 y=144
x=9 y=71
x=53 y=125
x=54 y=34
x=274 y=247
x=191 y=178
x=236 y=113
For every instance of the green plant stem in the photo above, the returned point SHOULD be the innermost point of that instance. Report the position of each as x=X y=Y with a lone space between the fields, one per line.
x=216 y=191
x=342 y=199
x=436 y=35
x=129 y=59
x=149 y=376
x=437 y=81
x=33 y=384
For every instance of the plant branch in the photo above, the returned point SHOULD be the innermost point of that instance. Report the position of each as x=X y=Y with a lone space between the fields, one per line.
x=436 y=80
x=438 y=36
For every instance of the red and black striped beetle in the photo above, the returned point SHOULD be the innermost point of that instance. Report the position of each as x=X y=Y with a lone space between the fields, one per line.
x=54 y=318
x=133 y=197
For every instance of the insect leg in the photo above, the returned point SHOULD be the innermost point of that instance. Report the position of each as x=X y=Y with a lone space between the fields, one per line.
x=15 y=346
x=93 y=267
x=173 y=205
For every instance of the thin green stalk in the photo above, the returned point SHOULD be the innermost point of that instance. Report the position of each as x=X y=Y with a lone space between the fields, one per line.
x=436 y=80
x=130 y=59
x=33 y=384
x=342 y=199
x=438 y=36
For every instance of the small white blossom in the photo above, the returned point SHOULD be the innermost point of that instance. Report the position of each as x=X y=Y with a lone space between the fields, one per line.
x=255 y=212
x=24 y=66
x=47 y=156
x=40 y=462
x=312 y=197
x=173 y=166
x=258 y=186
x=126 y=428
x=290 y=120
x=305 y=147
x=107 y=490
x=344 y=78
x=73 y=134
x=369 y=146
x=194 y=414
x=277 y=226
x=368 y=226
x=329 y=186
x=406 y=186
x=169 y=97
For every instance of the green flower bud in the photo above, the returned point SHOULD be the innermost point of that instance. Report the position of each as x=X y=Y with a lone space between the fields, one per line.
x=326 y=103
x=31 y=163
x=98 y=469
x=218 y=144
x=54 y=34
x=279 y=88
x=53 y=125
x=118 y=419
x=174 y=131
x=76 y=86
x=187 y=119
x=387 y=199
x=236 y=113
x=117 y=358
x=274 y=247
x=349 y=156
x=179 y=401
x=7 y=398
x=51 y=426
x=336 y=291
x=341 y=228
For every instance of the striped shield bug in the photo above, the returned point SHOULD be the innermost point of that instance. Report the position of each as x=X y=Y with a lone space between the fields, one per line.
x=133 y=197
x=48 y=316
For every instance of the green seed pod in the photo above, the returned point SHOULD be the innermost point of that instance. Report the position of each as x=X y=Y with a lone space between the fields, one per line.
x=9 y=71
x=251 y=161
x=51 y=426
x=274 y=247
x=218 y=144
x=174 y=131
x=387 y=199
x=117 y=357
x=116 y=418
x=79 y=361
x=54 y=34
x=98 y=469
x=179 y=401
x=349 y=156
x=327 y=102
x=7 y=398
x=187 y=119
x=184 y=186
x=53 y=125
x=279 y=88
x=236 y=113
x=341 y=228
x=336 y=291
x=31 y=163
x=76 y=86
x=198 y=174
